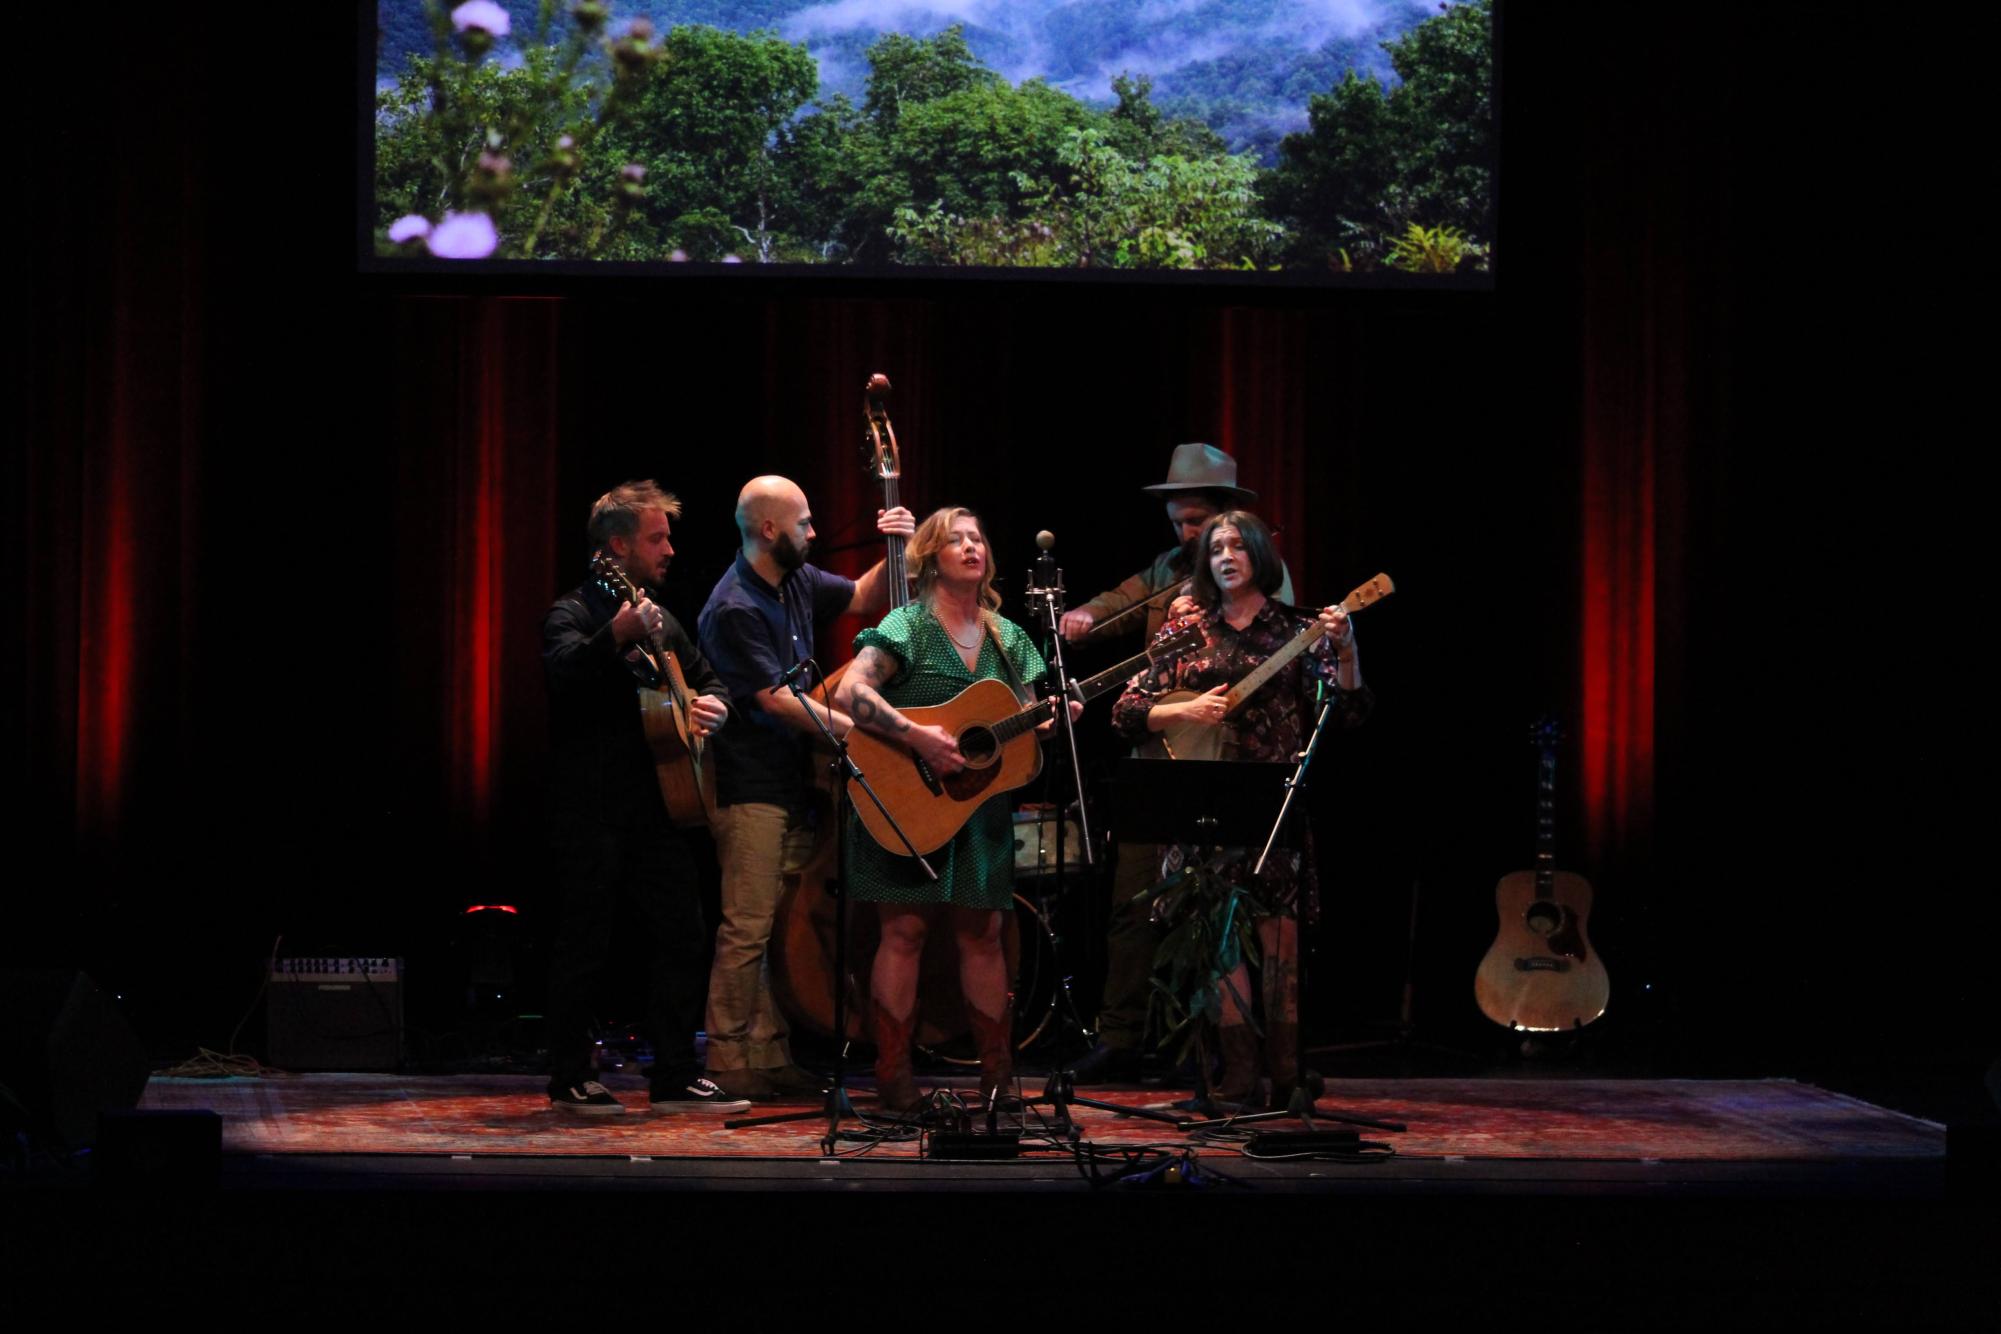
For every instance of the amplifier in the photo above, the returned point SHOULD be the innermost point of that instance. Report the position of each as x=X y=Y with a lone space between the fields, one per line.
x=335 y=1013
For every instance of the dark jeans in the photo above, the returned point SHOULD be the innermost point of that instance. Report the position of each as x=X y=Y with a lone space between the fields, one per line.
x=603 y=862
x=1130 y=944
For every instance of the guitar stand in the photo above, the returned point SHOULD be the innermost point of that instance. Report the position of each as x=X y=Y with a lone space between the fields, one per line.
x=838 y=1106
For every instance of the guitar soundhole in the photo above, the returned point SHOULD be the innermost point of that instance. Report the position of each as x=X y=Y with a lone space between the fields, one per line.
x=977 y=744
x=1544 y=918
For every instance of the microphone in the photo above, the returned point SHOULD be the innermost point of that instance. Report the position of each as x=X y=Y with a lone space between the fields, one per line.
x=791 y=674
x=1046 y=573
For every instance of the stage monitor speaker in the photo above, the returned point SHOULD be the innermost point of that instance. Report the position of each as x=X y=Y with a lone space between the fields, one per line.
x=335 y=1014
x=66 y=1055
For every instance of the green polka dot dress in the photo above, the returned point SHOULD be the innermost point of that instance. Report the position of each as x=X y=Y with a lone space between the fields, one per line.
x=976 y=869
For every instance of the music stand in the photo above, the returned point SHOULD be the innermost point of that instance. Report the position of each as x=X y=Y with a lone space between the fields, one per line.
x=1227 y=803
x=1159 y=801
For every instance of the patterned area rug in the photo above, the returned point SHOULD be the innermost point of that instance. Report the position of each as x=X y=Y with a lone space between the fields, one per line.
x=1698 y=1120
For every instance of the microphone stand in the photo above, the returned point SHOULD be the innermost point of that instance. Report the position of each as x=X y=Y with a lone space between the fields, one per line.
x=1045 y=588
x=838 y=1106
x=1048 y=595
x=1300 y=1105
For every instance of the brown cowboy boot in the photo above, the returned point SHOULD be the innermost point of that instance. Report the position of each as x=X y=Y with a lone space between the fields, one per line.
x=895 y=1090
x=1240 y=1064
x=994 y=1040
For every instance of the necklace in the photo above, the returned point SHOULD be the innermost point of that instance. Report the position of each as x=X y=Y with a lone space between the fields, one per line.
x=954 y=638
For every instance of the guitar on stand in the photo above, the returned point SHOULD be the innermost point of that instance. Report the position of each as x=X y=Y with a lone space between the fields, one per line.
x=680 y=750
x=1541 y=974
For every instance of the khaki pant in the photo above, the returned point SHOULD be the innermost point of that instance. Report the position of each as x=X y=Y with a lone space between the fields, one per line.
x=758 y=845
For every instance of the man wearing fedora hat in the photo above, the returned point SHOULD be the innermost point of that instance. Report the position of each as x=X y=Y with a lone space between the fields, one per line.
x=1201 y=483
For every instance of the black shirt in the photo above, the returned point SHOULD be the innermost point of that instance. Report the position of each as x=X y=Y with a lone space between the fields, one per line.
x=603 y=763
x=754 y=632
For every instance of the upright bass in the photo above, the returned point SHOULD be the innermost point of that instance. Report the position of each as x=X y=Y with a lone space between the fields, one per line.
x=802 y=936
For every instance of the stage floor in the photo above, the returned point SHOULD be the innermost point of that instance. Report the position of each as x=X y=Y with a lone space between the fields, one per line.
x=1491 y=1135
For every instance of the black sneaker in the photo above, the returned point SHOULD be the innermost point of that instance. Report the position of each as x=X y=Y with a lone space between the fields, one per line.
x=1107 y=1065
x=589 y=1098
x=697 y=1095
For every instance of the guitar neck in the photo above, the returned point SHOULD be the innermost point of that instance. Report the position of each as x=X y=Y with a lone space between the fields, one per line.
x=1545 y=825
x=1271 y=667
x=1376 y=589
x=1090 y=688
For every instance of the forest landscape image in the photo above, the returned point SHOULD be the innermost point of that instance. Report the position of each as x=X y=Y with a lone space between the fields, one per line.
x=1321 y=136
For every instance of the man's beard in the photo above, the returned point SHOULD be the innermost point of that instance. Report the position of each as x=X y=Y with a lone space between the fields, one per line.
x=790 y=555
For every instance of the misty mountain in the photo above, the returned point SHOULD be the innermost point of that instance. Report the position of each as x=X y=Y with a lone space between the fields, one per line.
x=1245 y=67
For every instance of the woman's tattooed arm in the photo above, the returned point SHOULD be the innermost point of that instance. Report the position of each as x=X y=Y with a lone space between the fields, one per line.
x=860 y=694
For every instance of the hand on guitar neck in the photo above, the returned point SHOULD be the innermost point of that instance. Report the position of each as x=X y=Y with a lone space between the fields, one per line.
x=637 y=624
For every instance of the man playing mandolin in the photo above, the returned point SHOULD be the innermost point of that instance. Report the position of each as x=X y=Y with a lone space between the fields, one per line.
x=611 y=836
x=758 y=622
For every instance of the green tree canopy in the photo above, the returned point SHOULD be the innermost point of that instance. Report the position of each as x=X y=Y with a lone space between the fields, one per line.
x=706 y=127
x=910 y=71
x=1375 y=161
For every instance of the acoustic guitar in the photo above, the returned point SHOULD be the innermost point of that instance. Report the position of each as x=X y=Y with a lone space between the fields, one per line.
x=680 y=754
x=1541 y=973
x=996 y=735
x=1199 y=741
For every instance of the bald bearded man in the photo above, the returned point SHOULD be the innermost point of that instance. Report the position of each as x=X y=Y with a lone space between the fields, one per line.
x=759 y=621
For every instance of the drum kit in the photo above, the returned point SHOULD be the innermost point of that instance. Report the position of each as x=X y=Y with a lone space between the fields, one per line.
x=1036 y=951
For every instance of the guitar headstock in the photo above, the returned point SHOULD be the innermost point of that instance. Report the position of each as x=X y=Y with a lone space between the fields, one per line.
x=1368 y=594
x=613 y=579
x=1184 y=640
x=885 y=458
x=1547 y=733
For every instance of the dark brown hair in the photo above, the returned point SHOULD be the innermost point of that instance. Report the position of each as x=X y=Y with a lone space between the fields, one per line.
x=1266 y=572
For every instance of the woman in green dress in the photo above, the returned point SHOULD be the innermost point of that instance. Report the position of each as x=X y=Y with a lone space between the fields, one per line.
x=923 y=654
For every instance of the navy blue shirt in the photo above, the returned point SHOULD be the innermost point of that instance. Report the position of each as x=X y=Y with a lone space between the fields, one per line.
x=752 y=633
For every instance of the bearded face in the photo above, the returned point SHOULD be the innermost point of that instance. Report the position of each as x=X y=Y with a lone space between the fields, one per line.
x=790 y=554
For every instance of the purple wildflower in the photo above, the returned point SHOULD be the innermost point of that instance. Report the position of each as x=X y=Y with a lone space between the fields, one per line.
x=484 y=15
x=408 y=228
x=464 y=236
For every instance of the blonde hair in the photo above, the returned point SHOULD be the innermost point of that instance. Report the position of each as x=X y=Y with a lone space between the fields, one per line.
x=922 y=548
x=616 y=512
